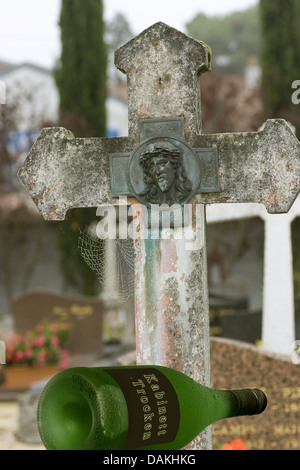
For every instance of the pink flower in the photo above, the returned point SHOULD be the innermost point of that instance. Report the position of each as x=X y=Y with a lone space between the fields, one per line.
x=41 y=345
x=64 y=363
x=54 y=327
x=16 y=339
x=28 y=353
x=42 y=357
x=9 y=349
x=39 y=341
x=55 y=341
x=40 y=328
x=19 y=356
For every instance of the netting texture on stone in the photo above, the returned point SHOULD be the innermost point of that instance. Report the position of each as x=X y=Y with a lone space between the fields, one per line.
x=113 y=262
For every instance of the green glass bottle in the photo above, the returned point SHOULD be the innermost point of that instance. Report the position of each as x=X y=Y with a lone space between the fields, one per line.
x=138 y=407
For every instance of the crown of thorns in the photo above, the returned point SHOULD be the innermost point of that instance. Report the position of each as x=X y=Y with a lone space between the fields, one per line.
x=165 y=149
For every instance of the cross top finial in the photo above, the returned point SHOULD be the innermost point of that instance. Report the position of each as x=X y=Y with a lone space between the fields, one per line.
x=163 y=67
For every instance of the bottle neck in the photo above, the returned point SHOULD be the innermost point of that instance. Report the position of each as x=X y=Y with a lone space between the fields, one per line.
x=250 y=401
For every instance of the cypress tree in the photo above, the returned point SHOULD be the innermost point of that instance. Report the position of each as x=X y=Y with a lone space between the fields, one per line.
x=280 y=64
x=280 y=56
x=81 y=80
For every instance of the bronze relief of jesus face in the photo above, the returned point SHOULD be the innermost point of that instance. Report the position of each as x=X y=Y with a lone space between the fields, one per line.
x=165 y=177
x=163 y=173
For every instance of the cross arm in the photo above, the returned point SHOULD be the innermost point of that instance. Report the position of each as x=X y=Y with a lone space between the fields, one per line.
x=261 y=167
x=62 y=172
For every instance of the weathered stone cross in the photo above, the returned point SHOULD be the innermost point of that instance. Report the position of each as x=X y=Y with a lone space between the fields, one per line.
x=166 y=160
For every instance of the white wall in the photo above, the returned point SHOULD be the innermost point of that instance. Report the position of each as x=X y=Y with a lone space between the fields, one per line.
x=35 y=90
x=36 y=95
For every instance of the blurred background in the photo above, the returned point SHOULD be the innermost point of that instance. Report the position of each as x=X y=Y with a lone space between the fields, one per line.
x=57 y=69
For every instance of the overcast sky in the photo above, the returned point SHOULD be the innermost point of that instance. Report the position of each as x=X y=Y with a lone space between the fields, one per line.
x=29 y=29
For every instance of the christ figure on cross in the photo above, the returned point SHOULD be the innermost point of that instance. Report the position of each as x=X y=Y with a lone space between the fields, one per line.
x=164 y=174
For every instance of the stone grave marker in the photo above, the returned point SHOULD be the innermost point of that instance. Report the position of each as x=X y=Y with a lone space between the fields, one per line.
x=278 y=319
x=236 y=364
x=166 y=164
x=231 y=318
x=85 y=314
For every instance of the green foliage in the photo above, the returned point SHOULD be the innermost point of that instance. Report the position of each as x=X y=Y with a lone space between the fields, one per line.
x=280 y=64
x=81 y=80
x=81 y=76
x=280 y=54
x=235 y=36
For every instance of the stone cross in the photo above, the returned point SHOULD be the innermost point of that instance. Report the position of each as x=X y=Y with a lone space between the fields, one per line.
x=166 y=161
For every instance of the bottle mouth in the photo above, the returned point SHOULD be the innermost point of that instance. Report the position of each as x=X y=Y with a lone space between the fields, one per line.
x=68 y=419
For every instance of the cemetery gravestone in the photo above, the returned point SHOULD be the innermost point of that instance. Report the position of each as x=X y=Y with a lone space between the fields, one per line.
x=163 y=68
x=278 y=319
x=231 y=318
x=278 y=325
x=239 y=365
x=85 y=315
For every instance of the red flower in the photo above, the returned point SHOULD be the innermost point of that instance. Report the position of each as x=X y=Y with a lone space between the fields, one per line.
x=235 y=444
x=227 y=447
x=238 y=444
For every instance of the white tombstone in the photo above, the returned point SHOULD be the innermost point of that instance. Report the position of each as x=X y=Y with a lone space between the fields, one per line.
x=278 y=323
